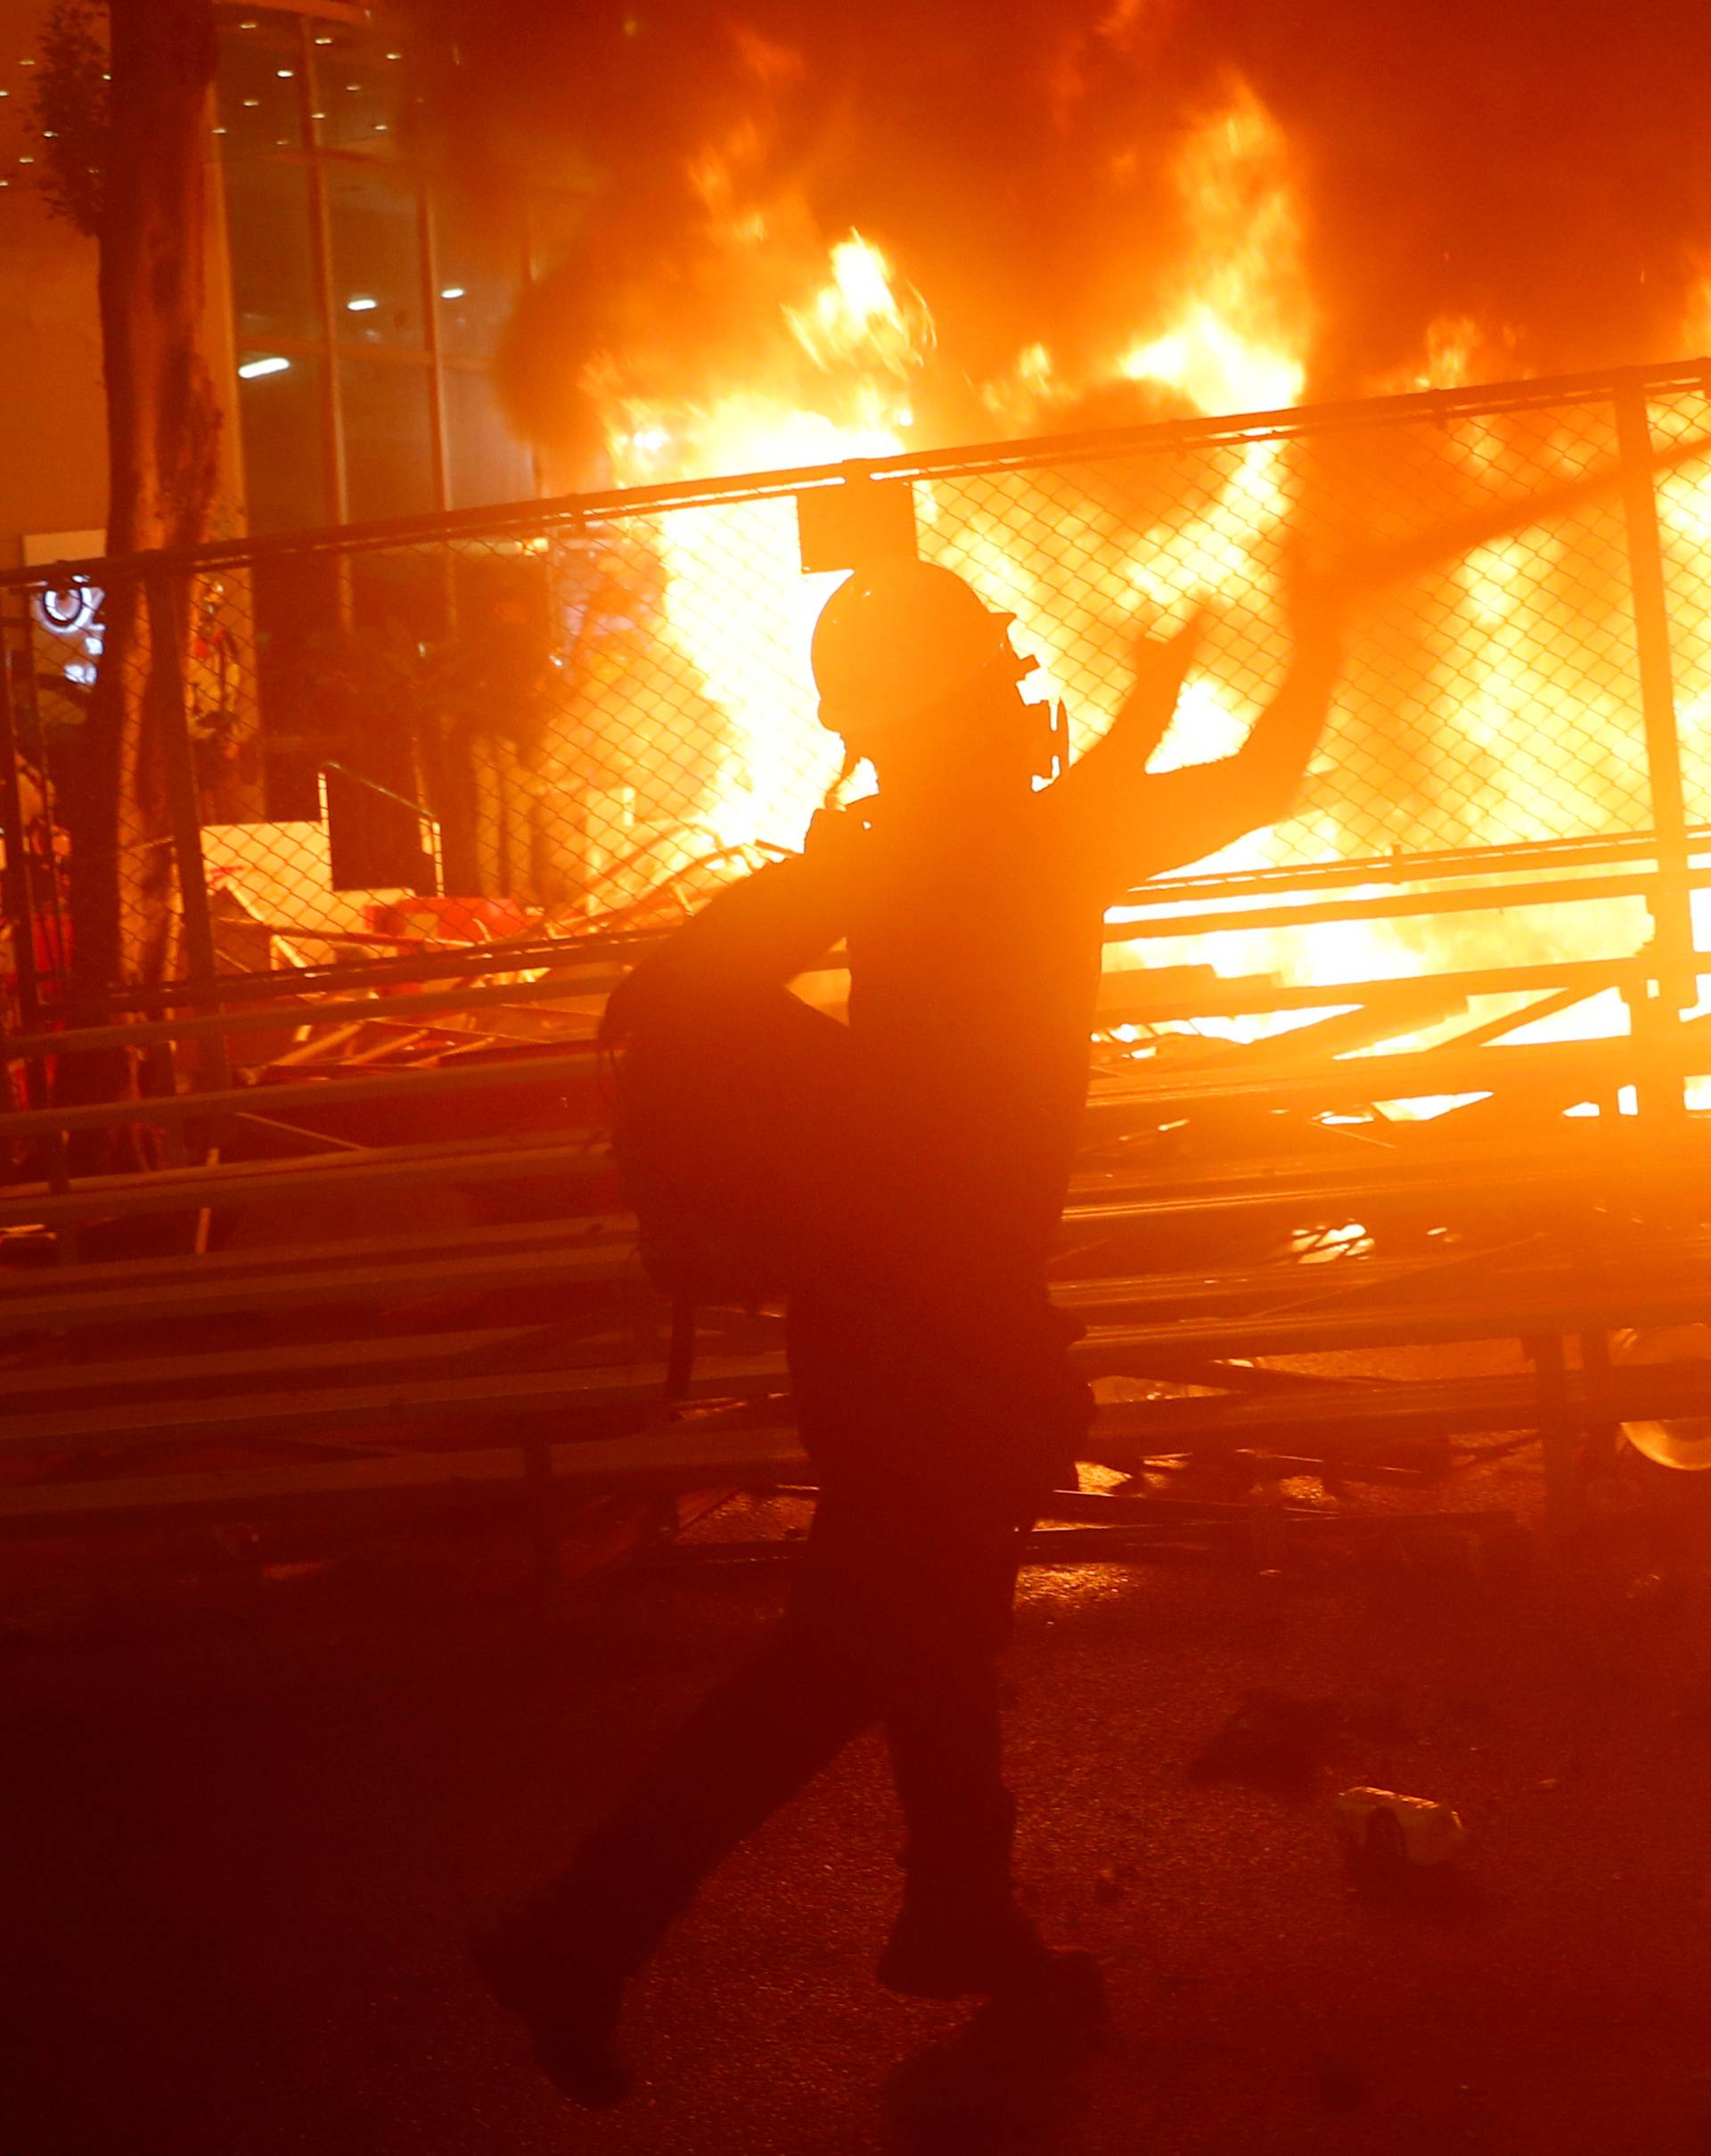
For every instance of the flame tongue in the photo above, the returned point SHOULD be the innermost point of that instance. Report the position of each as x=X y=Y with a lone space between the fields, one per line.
x=857 y=320
x=838 y=377
x=847 y=361
x=1239 y=338
x=1229 y=331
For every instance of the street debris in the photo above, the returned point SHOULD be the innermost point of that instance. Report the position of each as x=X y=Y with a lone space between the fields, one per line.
x=1398 y=1830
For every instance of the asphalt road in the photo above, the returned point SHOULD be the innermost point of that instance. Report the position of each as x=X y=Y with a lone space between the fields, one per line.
x=250 y=1813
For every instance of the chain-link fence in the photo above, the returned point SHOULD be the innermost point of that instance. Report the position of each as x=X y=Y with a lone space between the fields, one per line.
x=566 y=718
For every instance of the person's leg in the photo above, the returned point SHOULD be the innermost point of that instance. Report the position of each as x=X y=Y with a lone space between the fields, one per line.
x=916 y=1584
x=898 y=1616
x=961 y=1931
x=749 y=1747
x=943 y=1724
x=561 y=1961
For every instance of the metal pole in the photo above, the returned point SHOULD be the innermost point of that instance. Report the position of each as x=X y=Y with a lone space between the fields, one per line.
x=19 y=912
x=1557 y=1429
x=1672 y=907
x=167 y=682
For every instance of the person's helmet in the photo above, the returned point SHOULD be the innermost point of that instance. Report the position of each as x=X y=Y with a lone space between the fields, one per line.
x=899 y=637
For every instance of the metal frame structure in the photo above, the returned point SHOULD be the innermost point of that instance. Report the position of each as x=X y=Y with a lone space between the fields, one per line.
x=1667 y=846
x=1571 y=1229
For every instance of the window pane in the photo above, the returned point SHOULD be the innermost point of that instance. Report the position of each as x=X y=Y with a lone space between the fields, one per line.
x=376 y=227
x=480 y=272
x=297 y=616
x=283 y=419
x=397 y=601
x=271 y=250
x=484 y=460
x=360 y=96
x=260 y=92
x=389 y=438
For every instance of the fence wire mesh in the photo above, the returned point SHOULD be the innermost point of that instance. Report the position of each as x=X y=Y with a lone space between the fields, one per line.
x=575 y=718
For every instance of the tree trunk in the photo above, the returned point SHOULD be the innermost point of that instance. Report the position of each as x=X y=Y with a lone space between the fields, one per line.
x=163 y=420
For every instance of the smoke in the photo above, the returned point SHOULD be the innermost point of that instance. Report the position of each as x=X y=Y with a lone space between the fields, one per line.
x=1537 y=171
x=1527 y=168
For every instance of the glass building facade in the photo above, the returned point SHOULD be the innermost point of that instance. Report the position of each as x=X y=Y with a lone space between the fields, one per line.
x=367 y=304
x=371 y=285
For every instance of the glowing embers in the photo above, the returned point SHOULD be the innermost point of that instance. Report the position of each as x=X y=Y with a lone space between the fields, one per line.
x=1321 y=1245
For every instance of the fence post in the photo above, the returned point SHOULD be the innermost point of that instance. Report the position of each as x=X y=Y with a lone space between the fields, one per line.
x=1674 y=914
x=21 y=909
x=19 y=912
x=172 y=713
x=1672 y=900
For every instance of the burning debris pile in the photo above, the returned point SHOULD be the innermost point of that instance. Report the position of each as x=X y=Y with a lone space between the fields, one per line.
x=1087 y=237
x=1099 y=222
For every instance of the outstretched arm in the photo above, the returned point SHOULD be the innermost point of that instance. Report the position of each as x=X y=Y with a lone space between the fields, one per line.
x=1128 y=824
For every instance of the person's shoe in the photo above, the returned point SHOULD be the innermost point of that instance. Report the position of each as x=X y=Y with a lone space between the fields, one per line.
x=570 y=2007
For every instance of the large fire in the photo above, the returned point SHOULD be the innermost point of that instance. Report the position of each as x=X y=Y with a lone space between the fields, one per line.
x=840 y=377
x=1233 y=339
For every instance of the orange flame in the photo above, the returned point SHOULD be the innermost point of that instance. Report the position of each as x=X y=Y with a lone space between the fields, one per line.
x=1239 y=335
x=856 y=319
x=838 y=375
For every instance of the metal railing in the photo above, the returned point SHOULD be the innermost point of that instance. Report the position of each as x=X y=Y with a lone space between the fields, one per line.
x=467 y=742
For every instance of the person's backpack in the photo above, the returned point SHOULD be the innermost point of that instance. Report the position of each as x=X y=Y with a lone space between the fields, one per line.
x=731 y=1132
x=733 y=1112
